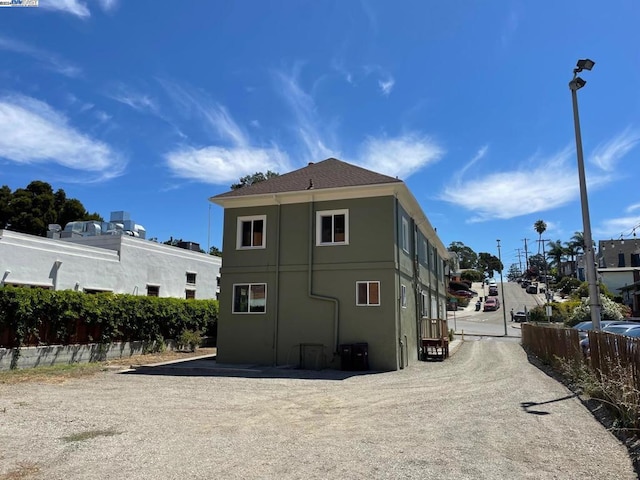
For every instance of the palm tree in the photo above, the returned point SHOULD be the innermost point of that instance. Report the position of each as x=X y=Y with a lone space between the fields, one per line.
x=540 y=227
x=575 y=246
x=557 y=251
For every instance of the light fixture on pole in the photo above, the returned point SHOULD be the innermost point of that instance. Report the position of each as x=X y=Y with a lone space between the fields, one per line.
x=594 y=295
x=504 y=308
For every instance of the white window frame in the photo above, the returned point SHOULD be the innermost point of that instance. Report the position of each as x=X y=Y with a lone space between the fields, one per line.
x=405 y=234
x=251 y=218
x=368 y=303
x=424 y=303
x=403 y=296
x=248 y=312
x=331 y=213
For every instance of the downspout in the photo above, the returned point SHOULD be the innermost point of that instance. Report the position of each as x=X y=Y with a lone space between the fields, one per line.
x=336 y=303
x=418 y=288
x=277 y=285
x=397 y=247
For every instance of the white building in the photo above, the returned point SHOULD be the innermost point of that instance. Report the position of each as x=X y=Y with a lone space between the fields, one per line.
x=111 y=263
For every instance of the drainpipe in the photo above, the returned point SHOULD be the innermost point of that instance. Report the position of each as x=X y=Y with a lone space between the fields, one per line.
x=397 y=247
x=277 y=285
x=336 y=303
x=418 y=287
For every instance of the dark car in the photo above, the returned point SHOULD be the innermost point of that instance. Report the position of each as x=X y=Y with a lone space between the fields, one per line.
x=493 y=291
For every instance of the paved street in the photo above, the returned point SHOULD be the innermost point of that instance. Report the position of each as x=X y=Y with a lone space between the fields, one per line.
x=493 y=323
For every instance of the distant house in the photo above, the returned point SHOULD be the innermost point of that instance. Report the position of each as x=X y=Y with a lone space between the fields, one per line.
x=107 y=263
x=324 y=257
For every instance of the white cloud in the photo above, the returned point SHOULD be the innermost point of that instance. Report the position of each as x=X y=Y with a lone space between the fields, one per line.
x=607 y=154
x=614 y=227
x=307 y=124
x=400 y=156
x=138 y=101
x=108 y=5
x=34 y=133
x=480 y=154
x=192 y=103
x=633 y=208
x=74 y=7
x=223 y=166
x=48 y=60
x=386 y=85
x=540 y=185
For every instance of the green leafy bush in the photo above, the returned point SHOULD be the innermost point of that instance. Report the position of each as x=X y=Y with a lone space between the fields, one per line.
x=189 y=340
x=38 y=316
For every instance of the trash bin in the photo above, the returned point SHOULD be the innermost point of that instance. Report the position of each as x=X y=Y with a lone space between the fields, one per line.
x=354 y=356
x=360 y=356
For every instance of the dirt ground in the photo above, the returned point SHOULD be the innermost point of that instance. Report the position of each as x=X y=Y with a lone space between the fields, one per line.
x=485 y=413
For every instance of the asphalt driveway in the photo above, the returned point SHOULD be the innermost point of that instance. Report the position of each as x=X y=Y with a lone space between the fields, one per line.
x=486 y=413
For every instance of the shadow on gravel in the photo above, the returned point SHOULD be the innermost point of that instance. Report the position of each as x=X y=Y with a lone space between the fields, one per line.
x=630 y=439
x=527 y=406
x=208 y=367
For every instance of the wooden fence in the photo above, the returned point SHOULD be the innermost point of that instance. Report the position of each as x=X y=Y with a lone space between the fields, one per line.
x=608 y=353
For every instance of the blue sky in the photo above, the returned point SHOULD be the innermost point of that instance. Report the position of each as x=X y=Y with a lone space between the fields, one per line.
x=154 y=106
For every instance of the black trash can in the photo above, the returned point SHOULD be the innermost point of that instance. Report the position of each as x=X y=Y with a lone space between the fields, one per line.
x=346 y=357
x=360 y=356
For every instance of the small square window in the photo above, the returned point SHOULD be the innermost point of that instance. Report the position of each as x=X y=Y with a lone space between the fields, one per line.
x=251 y=232
x=190 y=294
x=332 y=227
x=250 y=298
x=368 y=293
x=191 y=278
x=153 y=291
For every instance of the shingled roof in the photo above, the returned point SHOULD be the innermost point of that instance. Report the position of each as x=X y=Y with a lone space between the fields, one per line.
x=329 y=173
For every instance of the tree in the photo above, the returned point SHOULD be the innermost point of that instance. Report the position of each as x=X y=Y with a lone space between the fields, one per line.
x=489 y=263
x=255 y=178
x=31 y=209
x=466 y=256
x=514 y=272
x=472 y=276
x=215 y=251
x=557 y=251
x=540 y=227
x=537 y=264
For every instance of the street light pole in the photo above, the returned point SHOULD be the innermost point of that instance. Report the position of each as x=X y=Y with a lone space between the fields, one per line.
x=504 y=308
x=590 y=265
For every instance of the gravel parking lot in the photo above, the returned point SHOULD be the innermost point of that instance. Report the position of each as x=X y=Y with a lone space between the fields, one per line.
x=485 y=413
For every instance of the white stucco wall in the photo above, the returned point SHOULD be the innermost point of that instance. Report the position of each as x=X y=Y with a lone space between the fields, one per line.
x=120 y=264
x=615 y=278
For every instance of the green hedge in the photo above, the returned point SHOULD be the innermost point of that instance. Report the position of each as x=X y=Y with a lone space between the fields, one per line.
x=41 y=317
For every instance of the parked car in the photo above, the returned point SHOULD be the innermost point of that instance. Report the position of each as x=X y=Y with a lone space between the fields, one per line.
x=619 y=328
x=520 y=316
x=525 y=283
x=493 y=290
x=584 y=327
x=533 y=288
x=463 y=293
x=491 y=304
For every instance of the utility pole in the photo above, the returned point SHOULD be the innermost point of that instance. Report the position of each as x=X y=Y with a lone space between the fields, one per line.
x=520 y=253
x=526 y=254
x=546 y=284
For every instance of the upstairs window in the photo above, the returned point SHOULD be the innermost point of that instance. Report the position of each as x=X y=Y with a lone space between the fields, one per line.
x=405 y=234
x=191 y=278
x=252 y=232
x=403 y=296
x=368 y=293
x=332 y=227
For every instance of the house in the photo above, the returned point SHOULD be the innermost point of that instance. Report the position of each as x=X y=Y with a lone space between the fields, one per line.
x=324 y=258
x=107 y=263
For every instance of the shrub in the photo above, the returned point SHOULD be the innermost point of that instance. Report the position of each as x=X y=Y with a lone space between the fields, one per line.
x=610 y=311
x=38 y=316
x=190 y=340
